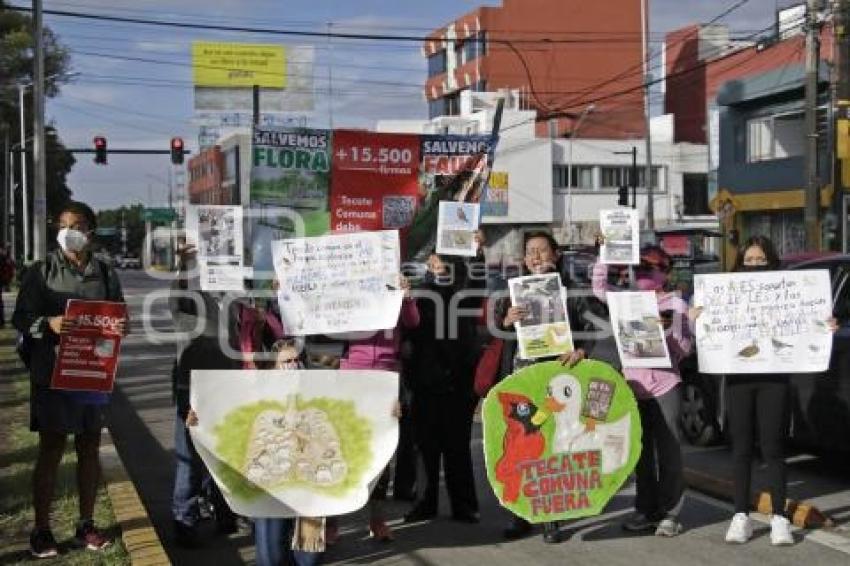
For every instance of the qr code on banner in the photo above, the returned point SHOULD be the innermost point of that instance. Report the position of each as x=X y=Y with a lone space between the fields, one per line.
x=398 y=211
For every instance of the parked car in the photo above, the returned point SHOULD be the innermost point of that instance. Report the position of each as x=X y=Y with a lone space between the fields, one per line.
x=820 y=402
x=128 y=262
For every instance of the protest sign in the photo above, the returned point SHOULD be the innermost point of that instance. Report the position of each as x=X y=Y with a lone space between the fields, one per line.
x=545 y=331
x=621 y=229
x=216 y=233
x=637 y=328
x=456 y=228
x=339 y=283
x=560 y=442
x=373 y=180
x=88 y=355
x=763 y=322
x=286 y=443
x=290 y=175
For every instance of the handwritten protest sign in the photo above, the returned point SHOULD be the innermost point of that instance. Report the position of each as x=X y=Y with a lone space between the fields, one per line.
x=764 y=322
x=560 y=442
x=216 y=233
x=285 y=443
x=637 y=329
x=88 y=355
x=339 y=283
x=456 y=228
x=545 y=331
x=621 y=229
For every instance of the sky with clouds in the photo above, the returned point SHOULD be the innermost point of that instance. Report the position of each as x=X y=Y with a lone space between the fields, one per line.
x=133 y=82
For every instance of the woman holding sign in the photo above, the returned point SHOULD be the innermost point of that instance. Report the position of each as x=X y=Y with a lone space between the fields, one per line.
x=758 y=401
x=660 y=470
x=70 y=272
x=541 y=257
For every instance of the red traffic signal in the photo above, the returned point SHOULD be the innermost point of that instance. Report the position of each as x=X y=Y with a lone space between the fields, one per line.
x=177 y=151
x=100 y=150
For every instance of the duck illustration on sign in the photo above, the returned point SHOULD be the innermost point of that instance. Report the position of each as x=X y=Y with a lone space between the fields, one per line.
x=559 y=442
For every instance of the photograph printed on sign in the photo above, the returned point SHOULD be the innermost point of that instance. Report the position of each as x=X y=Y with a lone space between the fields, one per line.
x=456 y=228
x=638 y=331
x=545 y=331
x=621 y=231
x=764 y=322
x=216 y=233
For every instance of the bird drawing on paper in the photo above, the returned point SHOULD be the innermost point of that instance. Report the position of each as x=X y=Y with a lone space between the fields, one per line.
x=461 y=215
x=779 y=346
x=523 y=441
x=750 y=351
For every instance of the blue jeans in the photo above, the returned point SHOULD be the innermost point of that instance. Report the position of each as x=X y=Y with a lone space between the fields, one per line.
x=272 y=538
x=190 y=480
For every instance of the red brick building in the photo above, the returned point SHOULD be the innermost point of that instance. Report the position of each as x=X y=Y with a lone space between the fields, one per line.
x=561 y=55
x=206 y=171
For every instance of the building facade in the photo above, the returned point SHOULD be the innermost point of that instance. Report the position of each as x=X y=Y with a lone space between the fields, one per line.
x=560 y=55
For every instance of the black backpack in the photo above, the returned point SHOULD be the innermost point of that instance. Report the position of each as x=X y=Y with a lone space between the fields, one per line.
x=24 y=342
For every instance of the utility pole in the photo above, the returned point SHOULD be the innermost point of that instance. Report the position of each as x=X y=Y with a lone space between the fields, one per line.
x=24 y=188
x=39 y=154
x=7 y=160
x=841 y=94
x=650 y=201
x=812 y=189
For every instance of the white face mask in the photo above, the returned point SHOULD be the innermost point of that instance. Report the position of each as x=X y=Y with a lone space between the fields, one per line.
x=71 y=240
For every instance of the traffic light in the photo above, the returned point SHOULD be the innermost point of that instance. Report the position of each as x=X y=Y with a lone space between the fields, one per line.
x=623 y=196
x=177 y=151
x=100 y=150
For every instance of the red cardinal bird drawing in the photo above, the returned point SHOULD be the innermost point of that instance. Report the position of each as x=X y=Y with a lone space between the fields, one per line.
x=523 y=441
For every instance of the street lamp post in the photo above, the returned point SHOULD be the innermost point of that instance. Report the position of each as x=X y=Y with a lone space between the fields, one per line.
x=24 y=191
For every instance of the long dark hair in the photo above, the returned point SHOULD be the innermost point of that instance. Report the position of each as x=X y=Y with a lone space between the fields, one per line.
x=766 y=246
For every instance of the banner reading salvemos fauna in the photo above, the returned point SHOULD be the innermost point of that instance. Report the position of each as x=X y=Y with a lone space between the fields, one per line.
x=764 y=322
x=559 y=442
x=284 y=443
x=339 y=283
x=290 y=176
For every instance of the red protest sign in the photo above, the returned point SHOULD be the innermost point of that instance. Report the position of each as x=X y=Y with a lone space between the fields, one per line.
x=374 y=180
x=88 y=355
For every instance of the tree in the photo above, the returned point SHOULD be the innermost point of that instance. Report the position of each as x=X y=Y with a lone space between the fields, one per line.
x=16 y=67
x=133 y=220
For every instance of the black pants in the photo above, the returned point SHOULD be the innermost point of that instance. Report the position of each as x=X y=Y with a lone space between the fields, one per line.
x=443 y=430
x=660 y=474
x=758 y=401
x=404 y=474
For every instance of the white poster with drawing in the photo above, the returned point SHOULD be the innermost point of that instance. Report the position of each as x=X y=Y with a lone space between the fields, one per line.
x=637 y=328
x=339 y=283
x=620 y=228
x=456 y=226
x=763 y=322
x=216 y=233
x=545 y=330
x=286 y=443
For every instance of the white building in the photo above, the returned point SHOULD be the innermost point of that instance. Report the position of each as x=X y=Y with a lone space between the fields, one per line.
x=542 y=193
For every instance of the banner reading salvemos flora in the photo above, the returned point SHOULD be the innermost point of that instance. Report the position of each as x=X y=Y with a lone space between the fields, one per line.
x=559 y=442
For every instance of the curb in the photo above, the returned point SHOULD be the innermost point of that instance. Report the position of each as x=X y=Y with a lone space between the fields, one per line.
x=142 y=543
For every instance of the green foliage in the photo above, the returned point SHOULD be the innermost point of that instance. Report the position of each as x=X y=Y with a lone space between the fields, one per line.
x=133 y=219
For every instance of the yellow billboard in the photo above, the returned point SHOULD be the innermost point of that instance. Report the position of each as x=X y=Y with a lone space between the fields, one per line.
x=238 y=65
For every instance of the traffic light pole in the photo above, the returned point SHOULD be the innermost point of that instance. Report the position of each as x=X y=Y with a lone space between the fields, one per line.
x=812 y=189
x=39 y=201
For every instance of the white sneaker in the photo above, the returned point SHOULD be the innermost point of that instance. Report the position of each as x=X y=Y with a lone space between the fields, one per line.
x=780 y=531
x=740 y=529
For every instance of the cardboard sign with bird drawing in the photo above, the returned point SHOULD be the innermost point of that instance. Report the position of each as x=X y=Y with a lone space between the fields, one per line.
x=559 y=442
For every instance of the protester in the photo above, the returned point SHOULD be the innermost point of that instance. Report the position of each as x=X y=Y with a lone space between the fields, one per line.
x=196 y=315
x=7 y=275
x=660 y=470
x=444 y=401
x=758 y=402
x=541 y=256
x=70 y=272
x=379 y=350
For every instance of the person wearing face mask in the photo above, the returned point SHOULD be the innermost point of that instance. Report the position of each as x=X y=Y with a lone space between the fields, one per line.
x=758 y=402
x=660 y=481
x=69 y=272
x=541 y=256
x=443 y=401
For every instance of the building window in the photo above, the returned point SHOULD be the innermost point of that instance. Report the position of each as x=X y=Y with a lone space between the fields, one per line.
x=437 y=63
x=613 y=177
x=582 y=177
x=480 y=86
x=452 y=105
x=775 y=137
x=695 y=194
x=474 y=47
x=436 y=107
x=459 y=53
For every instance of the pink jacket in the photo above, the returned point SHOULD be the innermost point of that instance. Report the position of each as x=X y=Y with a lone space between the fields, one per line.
x=380 y=350
x=649 y=383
